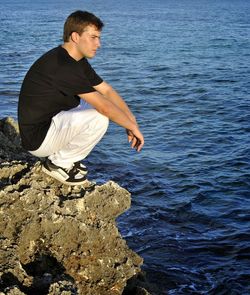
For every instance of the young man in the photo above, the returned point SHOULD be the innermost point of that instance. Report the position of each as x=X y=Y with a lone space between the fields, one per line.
x=52 y=121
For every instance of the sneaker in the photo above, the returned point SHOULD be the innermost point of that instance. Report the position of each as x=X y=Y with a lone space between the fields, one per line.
x=70 y=176
x=81 y=168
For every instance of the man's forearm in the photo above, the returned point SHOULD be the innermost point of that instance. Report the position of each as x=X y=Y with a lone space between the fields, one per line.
x=118 y=116
x=112 y=95
x=118 y=113
x=116 y=99
x=106 y=107
x=128 y=121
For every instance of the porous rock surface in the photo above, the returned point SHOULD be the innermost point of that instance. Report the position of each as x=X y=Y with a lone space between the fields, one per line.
x=56 y=239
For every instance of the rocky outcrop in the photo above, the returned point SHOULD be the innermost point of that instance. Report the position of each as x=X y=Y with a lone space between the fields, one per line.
x=57 y=239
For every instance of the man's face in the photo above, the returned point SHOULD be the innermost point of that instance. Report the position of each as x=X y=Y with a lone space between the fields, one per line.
x=89 y=41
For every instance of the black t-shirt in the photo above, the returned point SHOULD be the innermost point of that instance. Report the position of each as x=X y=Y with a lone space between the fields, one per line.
x=50 y=86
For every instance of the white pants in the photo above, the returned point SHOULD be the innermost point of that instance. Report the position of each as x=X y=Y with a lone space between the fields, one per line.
x=72 y=135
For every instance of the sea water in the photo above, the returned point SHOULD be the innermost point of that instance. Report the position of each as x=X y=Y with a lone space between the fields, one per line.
x=183 y=67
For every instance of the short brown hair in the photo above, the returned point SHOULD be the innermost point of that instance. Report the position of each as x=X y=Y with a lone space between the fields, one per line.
x=78 y=21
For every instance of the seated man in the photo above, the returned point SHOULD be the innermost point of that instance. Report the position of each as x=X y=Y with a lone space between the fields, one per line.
x=64 y=106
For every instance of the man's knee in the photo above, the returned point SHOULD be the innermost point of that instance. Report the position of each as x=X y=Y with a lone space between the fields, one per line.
x=103 y=122
x=91 y=118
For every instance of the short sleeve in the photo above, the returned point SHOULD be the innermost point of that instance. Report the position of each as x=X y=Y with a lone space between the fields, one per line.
x=93 y=77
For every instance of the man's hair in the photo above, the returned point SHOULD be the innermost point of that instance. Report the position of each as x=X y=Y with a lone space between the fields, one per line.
x=78 y=21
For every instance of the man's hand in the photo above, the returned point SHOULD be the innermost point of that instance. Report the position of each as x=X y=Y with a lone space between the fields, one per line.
x=136 y=139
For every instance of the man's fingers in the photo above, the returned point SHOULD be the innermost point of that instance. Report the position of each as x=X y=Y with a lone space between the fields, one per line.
x=137 y=144
x=134 y=141
x=140 y=144
x=139 y=147
x=130 y=137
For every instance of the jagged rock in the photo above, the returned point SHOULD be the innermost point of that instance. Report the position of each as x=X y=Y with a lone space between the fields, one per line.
x=10 y=147
x=57 y=239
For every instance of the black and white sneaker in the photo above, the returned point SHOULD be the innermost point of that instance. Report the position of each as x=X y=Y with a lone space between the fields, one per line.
x=67 y=176
x=81 y=168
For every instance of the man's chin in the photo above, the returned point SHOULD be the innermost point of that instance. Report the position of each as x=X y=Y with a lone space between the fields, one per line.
x=91 y=55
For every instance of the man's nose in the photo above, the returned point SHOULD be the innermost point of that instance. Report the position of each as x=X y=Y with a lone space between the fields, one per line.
x=98 y=43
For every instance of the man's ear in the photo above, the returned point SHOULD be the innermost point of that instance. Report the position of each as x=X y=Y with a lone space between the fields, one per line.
x=74 y=37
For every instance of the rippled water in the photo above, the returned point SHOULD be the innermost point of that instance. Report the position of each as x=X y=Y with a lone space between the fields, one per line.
x=184 y=68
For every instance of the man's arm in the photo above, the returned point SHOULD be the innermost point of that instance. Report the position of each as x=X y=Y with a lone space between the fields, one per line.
x=106 y=107
x=109 y=92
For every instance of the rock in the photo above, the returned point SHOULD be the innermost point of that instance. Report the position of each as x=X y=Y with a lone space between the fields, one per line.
x=57 y=239
x=10 y=147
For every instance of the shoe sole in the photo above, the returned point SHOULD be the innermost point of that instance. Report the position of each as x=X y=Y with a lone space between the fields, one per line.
x=53 y=175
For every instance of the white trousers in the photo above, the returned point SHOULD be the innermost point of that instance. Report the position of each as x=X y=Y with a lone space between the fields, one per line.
x=72 y=135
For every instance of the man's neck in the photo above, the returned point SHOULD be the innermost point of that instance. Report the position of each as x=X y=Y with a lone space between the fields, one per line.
x=72 y=51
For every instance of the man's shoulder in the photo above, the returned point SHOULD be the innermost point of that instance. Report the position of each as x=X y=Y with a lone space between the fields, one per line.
x=50 y=60
x=45 y=58
x=50 y=54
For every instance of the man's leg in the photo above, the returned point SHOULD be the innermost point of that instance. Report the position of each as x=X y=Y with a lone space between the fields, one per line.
x=72 y=135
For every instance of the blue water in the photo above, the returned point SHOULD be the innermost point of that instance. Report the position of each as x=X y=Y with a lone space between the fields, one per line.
x=183 y=67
